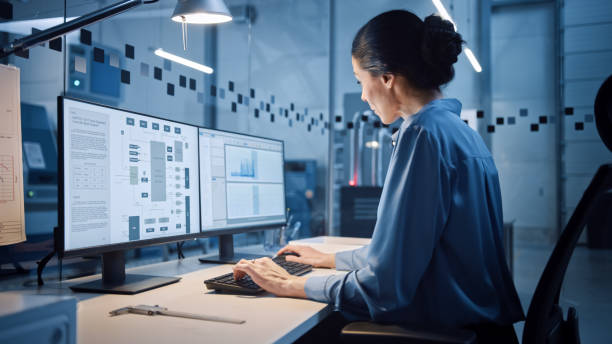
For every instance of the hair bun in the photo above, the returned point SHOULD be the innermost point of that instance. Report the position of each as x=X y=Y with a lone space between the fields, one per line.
x=441 y=45
x=399 y=42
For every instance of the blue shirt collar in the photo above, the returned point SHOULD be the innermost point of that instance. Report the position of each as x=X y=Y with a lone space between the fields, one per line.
x=448 y=104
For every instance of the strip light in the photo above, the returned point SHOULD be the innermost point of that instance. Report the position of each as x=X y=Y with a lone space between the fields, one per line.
x=443 y=13
x=202 y=68
x=470 y=55
x=468 y=52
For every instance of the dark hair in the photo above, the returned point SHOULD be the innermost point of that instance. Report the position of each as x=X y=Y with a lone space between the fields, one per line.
x=399 y=42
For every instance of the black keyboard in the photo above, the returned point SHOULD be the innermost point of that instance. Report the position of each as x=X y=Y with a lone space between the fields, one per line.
x=245 y=285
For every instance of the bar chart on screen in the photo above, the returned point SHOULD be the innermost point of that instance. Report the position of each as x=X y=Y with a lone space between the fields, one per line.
x=241 y=162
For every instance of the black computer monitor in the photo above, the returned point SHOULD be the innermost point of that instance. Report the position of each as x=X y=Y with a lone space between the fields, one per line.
x=242 y=187
x=126 y=180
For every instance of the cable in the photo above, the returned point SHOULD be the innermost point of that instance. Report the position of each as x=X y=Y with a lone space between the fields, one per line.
x=179 y=250
x=41 y=265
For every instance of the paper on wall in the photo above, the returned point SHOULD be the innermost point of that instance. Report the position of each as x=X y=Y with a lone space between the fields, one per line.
x=34 y=155
x=12 y=213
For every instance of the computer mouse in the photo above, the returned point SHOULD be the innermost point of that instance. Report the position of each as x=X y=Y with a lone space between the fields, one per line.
x=285 y=254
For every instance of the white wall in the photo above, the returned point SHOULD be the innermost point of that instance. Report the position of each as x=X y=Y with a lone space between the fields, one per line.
x=523 y=77
x=587 y=55
x=523 y=58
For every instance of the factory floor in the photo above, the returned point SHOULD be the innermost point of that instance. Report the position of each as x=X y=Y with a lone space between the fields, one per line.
x=587 y=287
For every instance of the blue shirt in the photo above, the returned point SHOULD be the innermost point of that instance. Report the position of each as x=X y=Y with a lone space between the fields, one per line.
x=436 y=255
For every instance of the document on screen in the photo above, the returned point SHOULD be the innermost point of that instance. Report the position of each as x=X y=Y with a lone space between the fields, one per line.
x=12 y=216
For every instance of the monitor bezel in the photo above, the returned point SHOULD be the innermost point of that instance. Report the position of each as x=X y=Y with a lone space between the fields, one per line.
x=95 y=250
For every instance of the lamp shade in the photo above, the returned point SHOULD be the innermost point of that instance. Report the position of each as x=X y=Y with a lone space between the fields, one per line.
x=201 y=12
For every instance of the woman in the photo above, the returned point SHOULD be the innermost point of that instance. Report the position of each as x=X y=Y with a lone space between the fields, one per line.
x=436 y=256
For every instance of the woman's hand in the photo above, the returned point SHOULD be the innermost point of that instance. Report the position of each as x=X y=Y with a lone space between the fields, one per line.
x=271 y=277
x=308 y=255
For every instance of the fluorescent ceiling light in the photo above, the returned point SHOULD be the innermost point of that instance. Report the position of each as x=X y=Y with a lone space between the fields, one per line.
x=443 y=13
x=470 y=55
x=201 y=12
x=202 y=68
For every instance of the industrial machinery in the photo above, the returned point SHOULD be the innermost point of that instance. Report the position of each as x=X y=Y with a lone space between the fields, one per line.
x=300 y=184
x=370 y=148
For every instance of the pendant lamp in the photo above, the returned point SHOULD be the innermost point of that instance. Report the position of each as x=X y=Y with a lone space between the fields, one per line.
x=201 y=12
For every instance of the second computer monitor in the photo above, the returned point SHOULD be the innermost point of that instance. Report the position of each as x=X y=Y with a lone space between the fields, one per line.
x=241 y=181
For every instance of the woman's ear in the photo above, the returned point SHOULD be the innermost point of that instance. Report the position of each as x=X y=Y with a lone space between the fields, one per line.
x=388 y=80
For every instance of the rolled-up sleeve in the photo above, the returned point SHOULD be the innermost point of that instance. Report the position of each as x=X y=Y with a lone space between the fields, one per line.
x=315 y=288
x=352 y=260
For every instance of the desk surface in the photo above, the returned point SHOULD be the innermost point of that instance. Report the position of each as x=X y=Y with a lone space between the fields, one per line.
x=268 y=318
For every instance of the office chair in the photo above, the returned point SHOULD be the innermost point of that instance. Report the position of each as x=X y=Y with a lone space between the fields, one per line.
x=544 y=323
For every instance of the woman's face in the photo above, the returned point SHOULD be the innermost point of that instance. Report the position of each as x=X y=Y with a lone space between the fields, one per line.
x=377 y=92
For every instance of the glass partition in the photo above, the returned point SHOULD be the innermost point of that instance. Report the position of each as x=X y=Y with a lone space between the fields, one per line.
x=116 y=62
x=272 y=81
x=42 y=80
x=270 y=78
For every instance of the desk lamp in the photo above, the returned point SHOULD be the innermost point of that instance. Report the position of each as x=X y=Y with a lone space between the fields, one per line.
x=200 y=12
x=186 y=12
x=43 y=36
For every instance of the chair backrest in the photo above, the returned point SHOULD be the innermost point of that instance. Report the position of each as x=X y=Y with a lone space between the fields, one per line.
x=544 y=323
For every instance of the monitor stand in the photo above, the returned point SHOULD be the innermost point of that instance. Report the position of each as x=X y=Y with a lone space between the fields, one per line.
x=226 y=253
x=115 y=281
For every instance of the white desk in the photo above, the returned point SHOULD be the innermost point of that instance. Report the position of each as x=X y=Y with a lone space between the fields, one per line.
x=268 y=318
